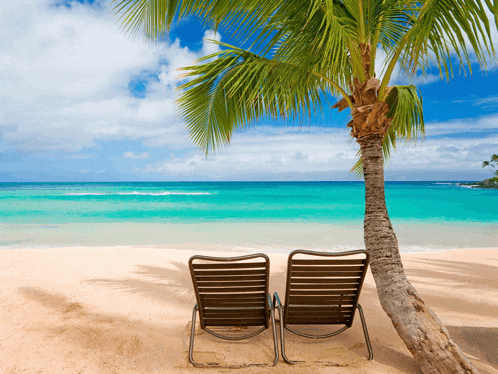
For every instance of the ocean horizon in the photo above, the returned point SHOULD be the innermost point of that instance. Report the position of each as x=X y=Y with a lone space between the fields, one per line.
x=268 y=215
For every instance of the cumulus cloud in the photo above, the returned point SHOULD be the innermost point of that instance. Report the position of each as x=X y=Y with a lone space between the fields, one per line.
x=65 y=75
x=479 y=126
x=267 y=150
x=299 y=152
x=458 y=146
x=438 y=157
x=64 y=87
x=141 y=156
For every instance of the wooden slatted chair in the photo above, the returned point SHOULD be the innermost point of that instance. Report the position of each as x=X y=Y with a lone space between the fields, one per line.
x=230 y=292
x=322 y=292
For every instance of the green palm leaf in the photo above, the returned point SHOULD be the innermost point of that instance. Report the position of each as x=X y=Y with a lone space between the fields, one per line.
x=238 y=87
x=406 y=111
x=303 y=52
x=439 y=32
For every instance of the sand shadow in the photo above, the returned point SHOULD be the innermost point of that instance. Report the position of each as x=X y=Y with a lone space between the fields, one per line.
x=354 y=340
x=467 y=274
x=481 y=342
x=459 y=305
x=470 y=276
x=113 y=340
x=116 y=344
x=171 y=283
x=388 y=356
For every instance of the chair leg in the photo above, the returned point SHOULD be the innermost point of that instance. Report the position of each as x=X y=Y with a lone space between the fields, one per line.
x=282 y=338
x=365 y=332
x=274 y=328
x=192 y=335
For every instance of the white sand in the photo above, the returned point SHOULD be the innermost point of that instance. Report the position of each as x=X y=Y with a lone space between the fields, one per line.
x=128 y=310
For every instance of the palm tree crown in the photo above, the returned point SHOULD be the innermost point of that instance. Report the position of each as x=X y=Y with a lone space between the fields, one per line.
x=303 y=51
x=293 y=56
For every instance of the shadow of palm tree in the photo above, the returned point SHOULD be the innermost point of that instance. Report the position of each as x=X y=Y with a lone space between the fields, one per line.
x=114 y=341
x=459 y=305
x=467 y=274
x=383 y=352
x=172 y=283
x=481 y=342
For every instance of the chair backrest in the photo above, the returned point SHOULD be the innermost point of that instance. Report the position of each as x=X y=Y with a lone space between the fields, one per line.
x=323 y=288
x=231 y=291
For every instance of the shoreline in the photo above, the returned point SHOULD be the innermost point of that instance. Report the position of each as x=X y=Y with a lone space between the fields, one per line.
x=269 y=236
x=128 y=310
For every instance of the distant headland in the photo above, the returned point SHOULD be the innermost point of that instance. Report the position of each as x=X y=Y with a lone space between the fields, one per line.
x=492 y=164
x=488 y=183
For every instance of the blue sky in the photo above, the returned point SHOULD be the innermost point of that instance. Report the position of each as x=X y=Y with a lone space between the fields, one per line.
x=82 y=101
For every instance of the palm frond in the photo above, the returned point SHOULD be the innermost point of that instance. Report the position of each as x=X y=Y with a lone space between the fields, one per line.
x=153 y=16
x=493 y=6
x=357 y=168
x=441 y=31
x=305 y=51
x=238 y=87
x=405 y=109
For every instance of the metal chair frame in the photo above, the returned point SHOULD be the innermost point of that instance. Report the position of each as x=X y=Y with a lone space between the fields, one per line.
x=226 y=277
x=334 y=272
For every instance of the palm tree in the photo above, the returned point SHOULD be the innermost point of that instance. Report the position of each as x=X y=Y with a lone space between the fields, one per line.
x=491 y=164
x=295 y=55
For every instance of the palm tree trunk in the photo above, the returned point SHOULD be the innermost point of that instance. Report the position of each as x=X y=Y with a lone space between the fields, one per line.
x=421 y=330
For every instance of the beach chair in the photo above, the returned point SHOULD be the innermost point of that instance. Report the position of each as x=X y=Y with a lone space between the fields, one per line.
x=232 y=294
x=322 y=289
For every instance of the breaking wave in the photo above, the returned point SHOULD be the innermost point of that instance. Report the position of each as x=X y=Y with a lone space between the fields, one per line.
x=165 y=193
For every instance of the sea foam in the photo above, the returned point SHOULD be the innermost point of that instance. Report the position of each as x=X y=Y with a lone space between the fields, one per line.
x=136 y=193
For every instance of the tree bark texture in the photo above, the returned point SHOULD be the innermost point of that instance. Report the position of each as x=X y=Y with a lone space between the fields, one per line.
x=421 y=330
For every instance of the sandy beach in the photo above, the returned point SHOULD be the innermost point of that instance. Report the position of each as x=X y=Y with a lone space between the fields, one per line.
x=128 y=310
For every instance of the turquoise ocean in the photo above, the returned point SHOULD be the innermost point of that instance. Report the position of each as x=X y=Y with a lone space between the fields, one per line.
x=259 y=215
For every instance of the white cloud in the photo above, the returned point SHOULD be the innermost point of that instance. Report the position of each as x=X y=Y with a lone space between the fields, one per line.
x=210 y=48
x=480 y=125
x=265 y=150
x=64 y=86
x=443 y=150
x=79 y=156
x=141 y=156
x=65 y=75
x=444 y=155
x=300 y=152
x=486 y=102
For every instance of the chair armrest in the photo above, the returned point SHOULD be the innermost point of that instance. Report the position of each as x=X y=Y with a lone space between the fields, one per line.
x=276 y=300
x=270 y=304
